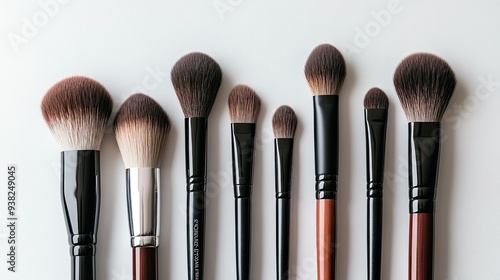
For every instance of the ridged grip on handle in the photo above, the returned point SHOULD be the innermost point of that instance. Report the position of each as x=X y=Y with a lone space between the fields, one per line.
x=282 y=238
x=421 y=251
x=326 y=145
x=424 y=138
x=243 y=214
x=81 y=193
x=326 y=238
x=196 y=174
x=145 y=263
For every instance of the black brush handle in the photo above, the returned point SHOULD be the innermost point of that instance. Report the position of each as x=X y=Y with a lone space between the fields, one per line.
x=375 y=131
x=83 y=268
x=196 y=174
x=243 y=138
x=196 y=234
x=81 y=195
x=283 y=149
x=423 y=154
x=243 y=214
x=282 y=238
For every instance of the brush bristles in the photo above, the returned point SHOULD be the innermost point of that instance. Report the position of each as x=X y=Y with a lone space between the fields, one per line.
x=424 y=84
x=76 y=111
x=141 y=129
x=284 y=122
x=244 y=105
x=325 y=70
x=196 y=78
x=375 y=98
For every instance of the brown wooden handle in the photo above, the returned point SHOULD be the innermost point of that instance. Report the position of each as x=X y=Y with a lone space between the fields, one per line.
x=326 y=238
x=145 y=263
x=421 y=253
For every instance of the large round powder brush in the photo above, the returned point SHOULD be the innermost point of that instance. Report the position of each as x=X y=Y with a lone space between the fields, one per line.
x=141 y=128
x=76 y=111
x=424 y=84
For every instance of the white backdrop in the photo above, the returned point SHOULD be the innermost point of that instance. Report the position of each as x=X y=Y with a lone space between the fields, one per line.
x=131 y=46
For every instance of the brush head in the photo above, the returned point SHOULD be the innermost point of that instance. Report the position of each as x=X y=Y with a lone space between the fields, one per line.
x=375 y=98
x=424 y=84
x=284 y=122
x=196 y=78
x=141 y=129
x=76 y=111
x=244 y=105
x=325 y=70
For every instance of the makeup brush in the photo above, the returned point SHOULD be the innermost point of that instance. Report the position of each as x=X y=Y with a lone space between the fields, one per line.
x=424 y=84
x=141 y=128
x=325 y=72
x=196 y=78
x=284 y=125
x=76 y=111
x=244 y=107
x=376 y=104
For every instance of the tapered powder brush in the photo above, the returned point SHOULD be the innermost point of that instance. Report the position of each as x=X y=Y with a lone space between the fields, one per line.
x=141 y=129
x=76 y=111
x=284 y=125
x=424 y=84
x=325 y=72
x=196 y=78
x=376 y=104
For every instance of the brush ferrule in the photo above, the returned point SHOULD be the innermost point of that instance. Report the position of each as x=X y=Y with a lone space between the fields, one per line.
x=242 y=147
x=81 y=194
x=326 y=145
x=375 y=131
x=196 y=153
x=143 y=193
x=423 y=152
x=283 y=149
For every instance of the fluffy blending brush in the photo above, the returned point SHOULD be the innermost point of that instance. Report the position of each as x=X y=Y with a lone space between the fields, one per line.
x=424 y=84
x=76 y=111
x=284 y=125
x=196 y=78
x=244 y=107
x=325 y=71
x=141 y=128
x=376 y=104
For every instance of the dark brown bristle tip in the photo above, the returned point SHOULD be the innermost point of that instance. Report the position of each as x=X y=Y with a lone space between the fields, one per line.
x=284 y=122
x=144 y=109
x=424 y=83
x=76 y=110
x=325 y=70
x=196 y=78
x=244 y=105
x=141 y=129
x=375 y=98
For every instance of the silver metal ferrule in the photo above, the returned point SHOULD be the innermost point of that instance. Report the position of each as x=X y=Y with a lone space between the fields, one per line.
x=143 y=193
